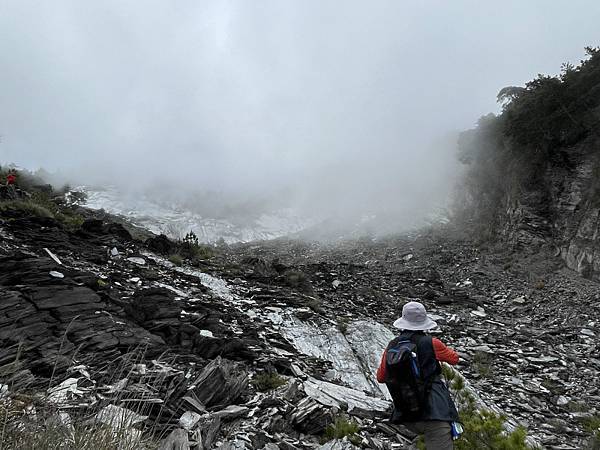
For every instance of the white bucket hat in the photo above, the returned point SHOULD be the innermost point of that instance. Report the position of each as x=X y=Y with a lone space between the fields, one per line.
x=415 y=318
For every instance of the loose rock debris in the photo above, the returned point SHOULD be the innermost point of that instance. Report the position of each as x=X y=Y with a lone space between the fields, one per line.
x=174 y=349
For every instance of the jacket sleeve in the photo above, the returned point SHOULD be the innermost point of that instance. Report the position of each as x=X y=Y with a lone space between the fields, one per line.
x=381 y=369
x=443 y=353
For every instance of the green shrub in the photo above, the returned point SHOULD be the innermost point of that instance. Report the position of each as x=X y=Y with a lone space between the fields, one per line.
x=551 y=111
x=341 y=428
x=482 y=429
x=71 y=221
x=485 y=430
x=191 y=248
x=267 y=381
x=191 y=239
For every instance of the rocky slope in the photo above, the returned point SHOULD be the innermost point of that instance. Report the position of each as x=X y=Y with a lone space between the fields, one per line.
x=265 y=344
x=525 y=327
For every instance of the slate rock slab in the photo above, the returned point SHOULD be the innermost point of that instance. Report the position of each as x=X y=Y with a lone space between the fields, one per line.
x=221 y=383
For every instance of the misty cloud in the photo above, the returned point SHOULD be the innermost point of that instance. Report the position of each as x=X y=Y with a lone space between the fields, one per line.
x=344 y=105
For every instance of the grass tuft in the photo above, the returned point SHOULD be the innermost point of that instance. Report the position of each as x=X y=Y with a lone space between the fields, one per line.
x=26 y=207
x=30 y=419
x=55 y=432
x=342 y=428
x=265 y=381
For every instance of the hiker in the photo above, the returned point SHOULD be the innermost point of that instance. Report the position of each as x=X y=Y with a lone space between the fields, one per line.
x=8 y=190
x=410 y=367
x=11 y=178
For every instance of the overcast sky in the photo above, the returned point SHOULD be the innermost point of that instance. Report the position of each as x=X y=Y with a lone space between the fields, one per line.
x=341 y=98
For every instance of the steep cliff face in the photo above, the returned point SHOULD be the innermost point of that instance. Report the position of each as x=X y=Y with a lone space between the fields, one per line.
x=561 y=209
x=577 y=222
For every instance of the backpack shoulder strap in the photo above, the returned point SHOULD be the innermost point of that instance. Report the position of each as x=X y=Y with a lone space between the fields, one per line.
x=427 y=359
x=426 y=338
x=396 y=341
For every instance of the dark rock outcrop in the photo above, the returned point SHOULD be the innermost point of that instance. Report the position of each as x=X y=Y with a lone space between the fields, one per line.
x=161 y=244
x=47 y=319
x=221 y=383
x=154 y=304
x=311 y=417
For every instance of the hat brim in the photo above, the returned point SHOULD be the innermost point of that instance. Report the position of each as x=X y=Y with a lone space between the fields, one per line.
x=403 y=324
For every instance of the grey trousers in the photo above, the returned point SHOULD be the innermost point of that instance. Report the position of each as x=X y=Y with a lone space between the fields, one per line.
x=438 y=434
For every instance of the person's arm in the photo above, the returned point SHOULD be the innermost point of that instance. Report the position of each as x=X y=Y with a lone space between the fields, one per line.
x=443 y=353
x=381 y=369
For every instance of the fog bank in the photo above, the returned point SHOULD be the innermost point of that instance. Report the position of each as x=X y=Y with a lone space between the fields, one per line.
x=336 y=108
